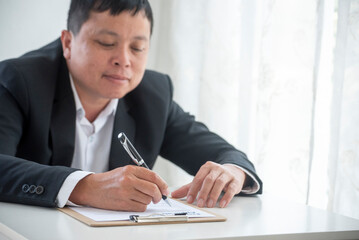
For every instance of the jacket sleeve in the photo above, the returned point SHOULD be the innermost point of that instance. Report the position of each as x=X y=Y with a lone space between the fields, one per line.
x=22 y=181
x=26 y=182
x=189 y=144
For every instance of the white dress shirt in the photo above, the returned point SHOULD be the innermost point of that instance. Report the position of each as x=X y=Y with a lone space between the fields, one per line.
x=92 y=145
x=92 y=148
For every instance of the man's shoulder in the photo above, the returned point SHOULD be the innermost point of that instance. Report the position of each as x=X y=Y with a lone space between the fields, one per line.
x=36 y=71
x=39 y=61
x=156 y=81
x=154 y=74
x=155 y=86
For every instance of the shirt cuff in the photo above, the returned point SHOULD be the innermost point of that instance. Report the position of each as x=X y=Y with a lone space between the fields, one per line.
x=68 y=186
x=249 y=189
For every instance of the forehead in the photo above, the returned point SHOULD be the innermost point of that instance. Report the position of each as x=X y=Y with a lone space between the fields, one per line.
x=124 y=23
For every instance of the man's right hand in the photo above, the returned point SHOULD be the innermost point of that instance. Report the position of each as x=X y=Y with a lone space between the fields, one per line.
x=129 y=188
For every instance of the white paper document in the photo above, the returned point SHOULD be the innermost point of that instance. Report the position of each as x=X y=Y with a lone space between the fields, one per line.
x=160 y=208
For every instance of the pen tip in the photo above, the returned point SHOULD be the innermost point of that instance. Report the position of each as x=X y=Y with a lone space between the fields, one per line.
x=166 y=200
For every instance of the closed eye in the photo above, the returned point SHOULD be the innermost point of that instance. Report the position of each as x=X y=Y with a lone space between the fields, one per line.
x=106 y=44
x=137 y=49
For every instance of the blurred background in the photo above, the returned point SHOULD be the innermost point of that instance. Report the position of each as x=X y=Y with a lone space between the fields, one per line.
x=278 y=79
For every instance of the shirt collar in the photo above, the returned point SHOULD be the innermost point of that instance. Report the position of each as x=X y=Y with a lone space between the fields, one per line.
x=80 y=111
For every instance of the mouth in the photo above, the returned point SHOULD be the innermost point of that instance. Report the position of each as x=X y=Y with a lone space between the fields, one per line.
x=116 y=78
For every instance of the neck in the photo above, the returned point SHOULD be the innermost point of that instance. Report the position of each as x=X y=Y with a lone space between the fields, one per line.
x=93 y=109
x=91 y=104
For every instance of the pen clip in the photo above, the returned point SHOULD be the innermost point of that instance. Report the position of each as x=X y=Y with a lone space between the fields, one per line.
x=130 y=149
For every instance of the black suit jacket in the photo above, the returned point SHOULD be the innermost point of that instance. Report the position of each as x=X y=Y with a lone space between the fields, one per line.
x=37 y=128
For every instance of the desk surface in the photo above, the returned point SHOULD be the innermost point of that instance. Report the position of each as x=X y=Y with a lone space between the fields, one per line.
x=262 y=217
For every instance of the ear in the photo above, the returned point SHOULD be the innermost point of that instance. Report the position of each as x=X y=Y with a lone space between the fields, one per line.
x=66 y=40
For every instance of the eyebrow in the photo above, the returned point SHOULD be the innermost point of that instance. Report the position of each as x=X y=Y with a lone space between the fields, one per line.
x=108 y=32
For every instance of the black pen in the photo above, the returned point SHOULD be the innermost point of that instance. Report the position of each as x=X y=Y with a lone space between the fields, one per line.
x=135 y=156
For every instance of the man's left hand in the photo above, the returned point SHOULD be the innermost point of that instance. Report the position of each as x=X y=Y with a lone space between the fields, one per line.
x=209 y=182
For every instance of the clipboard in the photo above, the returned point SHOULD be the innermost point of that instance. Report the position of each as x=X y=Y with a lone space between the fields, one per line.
x=144 y=220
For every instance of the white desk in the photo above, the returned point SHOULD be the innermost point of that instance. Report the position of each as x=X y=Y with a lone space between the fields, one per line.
x=263 y=217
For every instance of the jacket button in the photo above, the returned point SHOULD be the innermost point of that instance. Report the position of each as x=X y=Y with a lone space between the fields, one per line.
x=39 y=190
x=32 y=189
x=25 y=188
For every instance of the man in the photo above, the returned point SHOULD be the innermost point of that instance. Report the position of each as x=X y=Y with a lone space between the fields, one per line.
x=62 y=107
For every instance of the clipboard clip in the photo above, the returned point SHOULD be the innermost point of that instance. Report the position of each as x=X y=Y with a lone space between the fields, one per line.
x=153 y=218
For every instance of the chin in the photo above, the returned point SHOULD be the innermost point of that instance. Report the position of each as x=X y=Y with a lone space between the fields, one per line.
x=116 y=95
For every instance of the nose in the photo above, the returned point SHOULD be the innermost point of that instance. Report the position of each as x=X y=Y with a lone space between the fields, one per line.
x=121 y=58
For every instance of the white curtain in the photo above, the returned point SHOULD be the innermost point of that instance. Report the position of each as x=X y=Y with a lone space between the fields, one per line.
x=279 y=79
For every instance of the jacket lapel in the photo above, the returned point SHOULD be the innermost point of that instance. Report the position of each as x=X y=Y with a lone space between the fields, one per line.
x=63 y=120
x=126 y=124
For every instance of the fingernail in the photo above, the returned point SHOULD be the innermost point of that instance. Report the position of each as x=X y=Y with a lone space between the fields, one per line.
x=223 y=204
x=200 y=203
x=210 y=203
x=167 y=192
x=190 y=199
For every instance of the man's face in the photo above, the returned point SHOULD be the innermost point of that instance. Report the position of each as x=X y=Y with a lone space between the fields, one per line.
x=107 y=57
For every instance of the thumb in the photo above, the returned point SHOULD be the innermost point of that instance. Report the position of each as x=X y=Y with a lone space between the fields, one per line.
x=181 y=192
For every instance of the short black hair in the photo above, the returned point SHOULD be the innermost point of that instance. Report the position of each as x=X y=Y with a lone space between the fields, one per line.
x=79 y=11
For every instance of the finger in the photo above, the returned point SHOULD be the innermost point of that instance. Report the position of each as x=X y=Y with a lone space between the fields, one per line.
x=181 y=192
x=231 y=190
x=206 y=188
x=152 y=177
x=150 y=189
x=134 y=206
x=197 y=183
x=141 y=197
x=217 y=189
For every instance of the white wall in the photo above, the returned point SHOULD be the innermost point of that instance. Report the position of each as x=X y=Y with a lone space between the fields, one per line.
x=27 y=25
